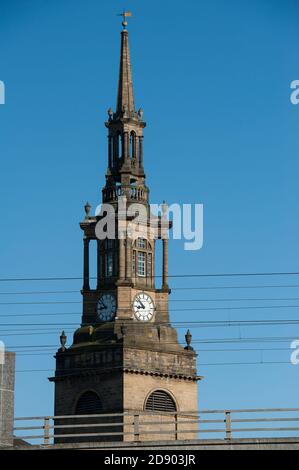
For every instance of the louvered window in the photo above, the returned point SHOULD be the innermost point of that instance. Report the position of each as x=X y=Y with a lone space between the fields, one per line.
x=160 y=401
x=89 y=404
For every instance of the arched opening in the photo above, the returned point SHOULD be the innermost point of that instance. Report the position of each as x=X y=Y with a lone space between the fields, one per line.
x=133 y=145
x=117 y=151
x=89 y=403
x=109 y=262
x=120 y=145
x=160 y=400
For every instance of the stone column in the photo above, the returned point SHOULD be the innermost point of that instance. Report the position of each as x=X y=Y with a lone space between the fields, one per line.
x=128 y=259
x=165 y=263
x=126 y=146
x=86 y=264
x=99 y=262
x=122 y=258
x=141 y=151
x=136 y=147
x=110 y=150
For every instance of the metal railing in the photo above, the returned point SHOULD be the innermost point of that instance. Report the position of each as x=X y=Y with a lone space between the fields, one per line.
x=133 y=426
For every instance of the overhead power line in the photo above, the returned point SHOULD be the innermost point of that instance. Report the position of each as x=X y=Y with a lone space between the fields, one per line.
x=220 y=324
x=50 y=353
x=199 y=350
x=204 y=309
x=240 y=340
x=174 y=323
x=261 y=362
x=273 y=286
x=42 y=292
x=51 y=302
x=75 y=278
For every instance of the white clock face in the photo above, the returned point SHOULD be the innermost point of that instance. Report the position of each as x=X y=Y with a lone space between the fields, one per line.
x=143 y=307
x=106 y=308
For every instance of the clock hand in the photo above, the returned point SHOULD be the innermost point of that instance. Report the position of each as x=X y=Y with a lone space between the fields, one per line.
x=142 y=306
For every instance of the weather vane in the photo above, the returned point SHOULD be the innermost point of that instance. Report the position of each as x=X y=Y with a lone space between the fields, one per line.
x=125 y=14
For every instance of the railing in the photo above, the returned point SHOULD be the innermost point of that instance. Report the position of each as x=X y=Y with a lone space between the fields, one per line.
x=133 y=193
x=135 y=426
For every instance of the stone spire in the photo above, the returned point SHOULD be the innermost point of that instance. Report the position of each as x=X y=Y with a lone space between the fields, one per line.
x=125 y=173
x=125 y=97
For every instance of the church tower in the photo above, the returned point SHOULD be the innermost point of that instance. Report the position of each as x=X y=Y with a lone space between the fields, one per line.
x=125 y=357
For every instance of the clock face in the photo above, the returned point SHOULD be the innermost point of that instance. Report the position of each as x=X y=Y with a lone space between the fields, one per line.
x=143 y=307
x=106 y=308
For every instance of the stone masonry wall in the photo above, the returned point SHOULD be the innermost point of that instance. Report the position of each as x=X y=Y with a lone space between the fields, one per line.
x=7 y=384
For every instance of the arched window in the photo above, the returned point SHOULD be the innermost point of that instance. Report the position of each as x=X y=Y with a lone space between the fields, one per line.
x=133 y=145
x=142 y=259
x=160 y=400
x=117 y=146
x=89 y=404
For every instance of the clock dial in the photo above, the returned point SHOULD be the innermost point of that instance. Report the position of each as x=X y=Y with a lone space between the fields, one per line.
x=143 y=307
x=106 y=308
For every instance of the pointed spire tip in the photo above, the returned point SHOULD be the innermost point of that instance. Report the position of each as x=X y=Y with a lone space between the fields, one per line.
x=125 y=98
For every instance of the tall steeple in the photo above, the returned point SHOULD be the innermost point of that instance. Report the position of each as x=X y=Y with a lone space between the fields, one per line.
x=125 y=173
x=125 y=357
x=125 y=96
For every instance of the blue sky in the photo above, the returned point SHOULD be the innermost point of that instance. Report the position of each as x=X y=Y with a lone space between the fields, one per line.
x=213 y=78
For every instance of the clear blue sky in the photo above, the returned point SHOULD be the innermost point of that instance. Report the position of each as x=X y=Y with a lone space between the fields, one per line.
x=213 y=78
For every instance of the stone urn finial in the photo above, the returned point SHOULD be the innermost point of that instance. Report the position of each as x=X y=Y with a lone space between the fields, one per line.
x=140 y=113
x=188 y=338
x=164 y=207
x=63 y=339
x=110 y=114
x=87 y=208
x=90 y=330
